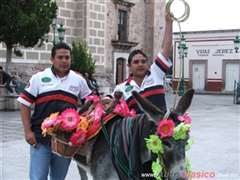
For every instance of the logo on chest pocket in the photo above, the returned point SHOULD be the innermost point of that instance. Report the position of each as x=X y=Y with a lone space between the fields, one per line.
x=149 y=81
x=46 y=80
x=73 y=88
x=129 y=88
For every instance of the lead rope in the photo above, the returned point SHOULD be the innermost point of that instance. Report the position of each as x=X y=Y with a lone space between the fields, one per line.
x=122 y=165
x=183 y=18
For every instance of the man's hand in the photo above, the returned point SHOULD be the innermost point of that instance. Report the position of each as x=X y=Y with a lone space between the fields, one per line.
x=168 y=17
x=31 y=139
x=29 y=134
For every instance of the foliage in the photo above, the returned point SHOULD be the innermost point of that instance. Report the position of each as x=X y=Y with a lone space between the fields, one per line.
x=82 y=60
x=24 y=23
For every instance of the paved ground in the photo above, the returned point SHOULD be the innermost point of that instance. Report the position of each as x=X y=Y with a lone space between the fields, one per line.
x=215 y=130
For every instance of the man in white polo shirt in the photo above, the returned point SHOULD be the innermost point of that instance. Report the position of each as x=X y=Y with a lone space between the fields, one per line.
x=148 y=81
x=51 y=90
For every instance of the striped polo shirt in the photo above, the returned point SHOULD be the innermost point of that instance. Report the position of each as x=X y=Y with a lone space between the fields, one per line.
x=151 y=88
x=51 y=94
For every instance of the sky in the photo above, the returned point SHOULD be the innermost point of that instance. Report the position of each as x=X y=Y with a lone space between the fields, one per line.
x=208 y=15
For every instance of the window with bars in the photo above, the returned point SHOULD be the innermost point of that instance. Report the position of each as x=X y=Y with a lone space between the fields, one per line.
x=122 y=25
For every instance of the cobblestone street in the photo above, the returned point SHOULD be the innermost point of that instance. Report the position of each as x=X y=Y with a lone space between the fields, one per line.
x=215 y=130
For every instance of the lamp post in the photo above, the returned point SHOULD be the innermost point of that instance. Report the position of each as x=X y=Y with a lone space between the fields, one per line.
x=183 y=51
x=236 y=43
x=61 y=32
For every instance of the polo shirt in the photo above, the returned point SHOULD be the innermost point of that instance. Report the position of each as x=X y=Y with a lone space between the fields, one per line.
x=151 y=88
x=52 y=94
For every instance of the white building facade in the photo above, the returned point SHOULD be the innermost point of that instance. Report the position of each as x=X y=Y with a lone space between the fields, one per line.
x=211 y=63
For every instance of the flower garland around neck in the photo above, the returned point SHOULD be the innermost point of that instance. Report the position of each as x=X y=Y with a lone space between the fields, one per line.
x=166 y=128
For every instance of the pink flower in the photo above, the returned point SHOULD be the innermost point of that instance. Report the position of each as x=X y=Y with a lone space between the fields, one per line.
x=181 y=118
x=118 y=109
x=165 y=128
x=70 y=119
x=50 y=121
x=124 y=105
x=132 y=113
x=185 y=118
x=93 y=98
x=98 y=112
x=78 y=138
x=188 y=120
x=123 y=109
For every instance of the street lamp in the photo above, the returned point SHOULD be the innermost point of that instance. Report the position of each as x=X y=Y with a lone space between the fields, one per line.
x=236 y=43
x=183 y=51
x=61 y=32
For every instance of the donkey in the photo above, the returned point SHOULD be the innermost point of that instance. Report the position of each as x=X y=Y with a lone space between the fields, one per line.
x=102 y=166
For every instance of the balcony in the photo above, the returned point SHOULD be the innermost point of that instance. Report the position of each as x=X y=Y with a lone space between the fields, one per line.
x=123 y=45
x=124 y=3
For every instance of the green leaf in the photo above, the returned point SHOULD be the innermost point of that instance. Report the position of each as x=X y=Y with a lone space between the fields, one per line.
x=82 y=60
x=189 y=144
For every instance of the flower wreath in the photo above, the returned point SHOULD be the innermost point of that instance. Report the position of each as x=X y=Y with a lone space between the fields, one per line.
x=166 y=128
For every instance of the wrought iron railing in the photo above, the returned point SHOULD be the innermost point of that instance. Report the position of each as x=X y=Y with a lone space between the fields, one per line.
x=236 y=94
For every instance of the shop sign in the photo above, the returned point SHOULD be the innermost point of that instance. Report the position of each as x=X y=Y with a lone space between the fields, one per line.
x=203 y=52
x=216 y=52
x=222 y=52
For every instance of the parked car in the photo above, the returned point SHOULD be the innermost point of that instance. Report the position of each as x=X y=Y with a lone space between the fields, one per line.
x=168 y=79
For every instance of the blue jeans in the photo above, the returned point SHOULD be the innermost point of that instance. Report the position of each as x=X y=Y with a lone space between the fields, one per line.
x=8 y=85
x=42 y=160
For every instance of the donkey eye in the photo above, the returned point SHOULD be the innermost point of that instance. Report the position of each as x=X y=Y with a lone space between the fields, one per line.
x=166 y=143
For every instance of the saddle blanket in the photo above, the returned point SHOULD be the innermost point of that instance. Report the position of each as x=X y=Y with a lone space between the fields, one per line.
x=95 y=128
x=92 y=133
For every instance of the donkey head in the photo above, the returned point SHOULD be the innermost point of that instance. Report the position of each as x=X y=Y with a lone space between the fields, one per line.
x=173 y=157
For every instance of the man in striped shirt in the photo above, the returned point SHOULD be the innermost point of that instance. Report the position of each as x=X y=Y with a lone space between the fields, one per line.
x=148 y=81
x=51 y=90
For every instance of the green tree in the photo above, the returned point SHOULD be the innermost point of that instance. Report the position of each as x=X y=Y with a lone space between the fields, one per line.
x=82 y=60
x=24 y=23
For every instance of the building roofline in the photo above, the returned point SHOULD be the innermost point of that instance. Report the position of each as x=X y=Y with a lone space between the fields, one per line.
x=207 y=31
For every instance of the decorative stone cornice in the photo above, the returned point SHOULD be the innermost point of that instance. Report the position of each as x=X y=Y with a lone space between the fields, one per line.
x=123 y=45
x=124 y=3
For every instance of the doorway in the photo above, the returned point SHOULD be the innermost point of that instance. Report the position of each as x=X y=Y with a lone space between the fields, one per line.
x=119 y=70
x=198 y=76
x=232 y=74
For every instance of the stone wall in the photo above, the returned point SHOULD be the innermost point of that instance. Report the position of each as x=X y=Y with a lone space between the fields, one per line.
x=95 y=21
x=8 y=102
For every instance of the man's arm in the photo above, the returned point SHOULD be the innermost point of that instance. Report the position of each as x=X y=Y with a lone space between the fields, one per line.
x=29 y=134
x=167 y=39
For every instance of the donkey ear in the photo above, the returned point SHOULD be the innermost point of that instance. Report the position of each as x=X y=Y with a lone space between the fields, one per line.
x=185 y=101
x=152 y=112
